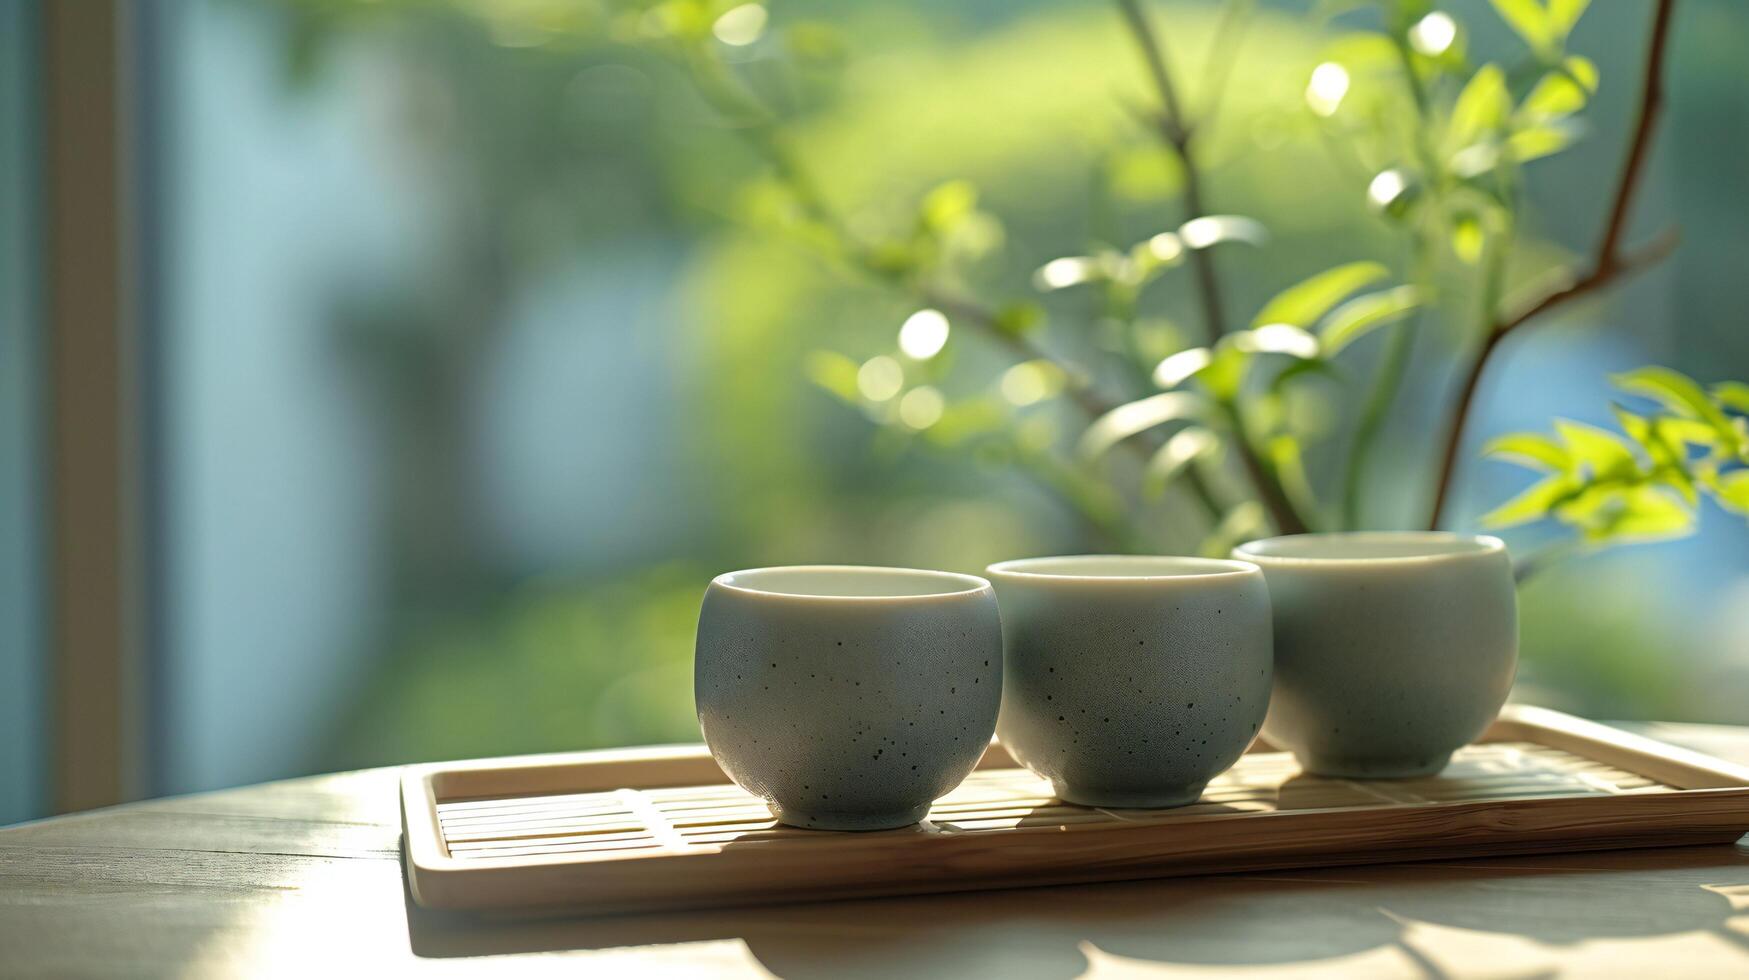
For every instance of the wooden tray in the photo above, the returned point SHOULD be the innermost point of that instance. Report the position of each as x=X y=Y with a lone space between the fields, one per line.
x=661 y=828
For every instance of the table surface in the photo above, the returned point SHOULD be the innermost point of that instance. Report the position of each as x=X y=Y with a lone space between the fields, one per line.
x=304 y=877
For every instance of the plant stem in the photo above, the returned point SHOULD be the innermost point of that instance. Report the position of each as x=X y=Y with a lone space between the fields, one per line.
x=1400 y=343
x=1609 y=262
x=1270 y=491
x=1223 y=50
x=1176 y=132
x=1089 y=401
x=1386 y=383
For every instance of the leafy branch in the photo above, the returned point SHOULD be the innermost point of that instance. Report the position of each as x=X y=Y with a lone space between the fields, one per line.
x=1442 y=142
x=1641 y=486
x=1011 y=328
x=1178 y=132
x=1609 y=263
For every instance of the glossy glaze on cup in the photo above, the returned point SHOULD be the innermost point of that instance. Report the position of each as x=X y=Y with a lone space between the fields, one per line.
x=847 y=697
x=1392 y=650
x=1132 y=681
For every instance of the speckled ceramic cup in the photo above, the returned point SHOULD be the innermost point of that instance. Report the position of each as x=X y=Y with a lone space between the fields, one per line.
x=1132 y=681
x=849 y=698
x=1392 y=649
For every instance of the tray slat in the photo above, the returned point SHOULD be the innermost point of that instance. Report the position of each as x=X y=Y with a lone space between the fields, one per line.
x=565 y=830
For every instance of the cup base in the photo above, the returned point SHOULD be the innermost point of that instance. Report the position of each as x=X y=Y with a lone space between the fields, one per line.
x=1155 y=799
x=1373 y=768
x=810 y=820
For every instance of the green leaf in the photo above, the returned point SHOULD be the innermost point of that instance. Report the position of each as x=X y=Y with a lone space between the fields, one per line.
x=1540 y=140
x=1162 y=251
x=1533 y=504
x=1186 y=446
x=1363 y=314
x=1302 y=304
x=1288 y=459
x=1213 y=229
x=834 y=372
x=1668 y=455
x=1481 y=109
x=1734 y=395
x=1182 y=366
x=1245 y=521
x=1225 y=372
x=1301 y=368
x=1530 y=449
x=1564 y=14
x=1276 y=338
x=1070 y=270
x=1665 y=433
x=1529 y=20
x=1732 y=491
x=1138 y=416
x=1636 y=513
x=1468 y=239
x=1604 y=454
x=1677 y=392
x=1018 y=319
x=1653 y=437
x=1556 y=94
x=944 y=206
x=1393 y=192
x=1582 y=70
x=1676 y=433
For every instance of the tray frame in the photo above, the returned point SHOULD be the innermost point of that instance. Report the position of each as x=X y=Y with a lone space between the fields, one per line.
x=1708 y=803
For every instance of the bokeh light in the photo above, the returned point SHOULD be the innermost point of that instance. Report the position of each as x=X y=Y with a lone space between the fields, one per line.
x=880 y=378
x=1328 y=85
x=923 y=334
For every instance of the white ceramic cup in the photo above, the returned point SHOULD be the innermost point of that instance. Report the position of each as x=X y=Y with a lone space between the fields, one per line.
x=846 y=697
x=1131 y=680
x=1392 y=649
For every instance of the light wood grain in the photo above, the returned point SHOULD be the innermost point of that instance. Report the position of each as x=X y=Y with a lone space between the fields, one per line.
x=301 y=878
x=567 y=831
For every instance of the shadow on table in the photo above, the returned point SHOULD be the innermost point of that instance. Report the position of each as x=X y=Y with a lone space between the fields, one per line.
x=1252 y=920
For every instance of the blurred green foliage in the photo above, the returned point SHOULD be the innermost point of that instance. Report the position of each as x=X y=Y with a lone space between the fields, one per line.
x=1645 y=485
x=552 y=664
x=972 y=236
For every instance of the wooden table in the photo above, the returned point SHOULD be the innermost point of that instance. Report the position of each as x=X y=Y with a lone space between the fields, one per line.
x=303 y=877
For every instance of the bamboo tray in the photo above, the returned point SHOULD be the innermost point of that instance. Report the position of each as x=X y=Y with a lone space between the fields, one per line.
x=662 y=828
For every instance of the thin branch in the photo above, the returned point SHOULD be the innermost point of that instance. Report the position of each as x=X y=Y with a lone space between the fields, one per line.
x=1400 y=344
x=1176 y=130
x=1651 y=106
x=1223 y=51
x=1084 y=397
x=759 y=129
x=1388 y=380
x=1154 y=56
x=1609 y=263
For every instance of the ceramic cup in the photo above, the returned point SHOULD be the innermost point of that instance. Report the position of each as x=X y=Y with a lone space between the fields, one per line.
x=1392 y=649
x=1132 y=681
x=848 y=698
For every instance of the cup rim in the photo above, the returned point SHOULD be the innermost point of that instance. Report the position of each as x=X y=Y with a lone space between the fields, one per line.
x=1474 y=546
x=964 y=585
x=1206 y=569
